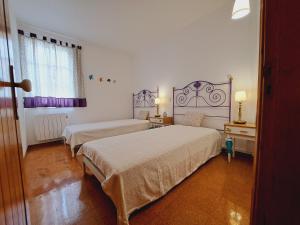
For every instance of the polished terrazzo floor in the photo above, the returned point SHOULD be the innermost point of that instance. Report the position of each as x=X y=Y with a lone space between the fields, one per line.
x=218 y=193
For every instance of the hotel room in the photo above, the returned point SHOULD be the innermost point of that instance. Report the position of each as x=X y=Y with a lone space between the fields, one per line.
x=136 y=112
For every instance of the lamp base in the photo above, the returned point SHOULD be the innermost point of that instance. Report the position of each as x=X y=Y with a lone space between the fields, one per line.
x=157 y=115
x=239 y=121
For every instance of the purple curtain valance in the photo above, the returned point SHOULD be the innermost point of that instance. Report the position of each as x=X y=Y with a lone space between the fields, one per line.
x=37 y=101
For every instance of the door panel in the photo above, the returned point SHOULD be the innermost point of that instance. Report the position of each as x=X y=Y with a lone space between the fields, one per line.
x=277 y=195
x=12 y=196
x=4 y=172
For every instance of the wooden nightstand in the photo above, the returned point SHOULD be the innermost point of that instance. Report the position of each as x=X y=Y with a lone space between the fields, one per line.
x=160 y=121
x=239 y=131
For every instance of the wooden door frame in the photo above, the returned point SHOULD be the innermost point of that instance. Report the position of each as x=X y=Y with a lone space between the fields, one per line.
x=255 y=214
x=12 y=153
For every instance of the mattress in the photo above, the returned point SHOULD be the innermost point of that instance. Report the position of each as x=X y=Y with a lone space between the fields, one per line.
x=78 y=134
x=140 y=167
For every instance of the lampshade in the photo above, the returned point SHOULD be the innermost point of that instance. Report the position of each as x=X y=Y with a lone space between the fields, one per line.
x=240 y=96
x=157 y=101
x=241 y=8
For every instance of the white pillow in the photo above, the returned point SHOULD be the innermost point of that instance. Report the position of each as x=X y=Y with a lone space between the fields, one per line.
x=143 y=115
x=193 y=119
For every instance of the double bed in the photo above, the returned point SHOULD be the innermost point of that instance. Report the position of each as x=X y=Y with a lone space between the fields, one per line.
x=77 y=134
x=137 y=168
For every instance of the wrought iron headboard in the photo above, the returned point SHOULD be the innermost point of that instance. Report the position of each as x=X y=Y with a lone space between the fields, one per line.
x=204 y=94
x=144 y=99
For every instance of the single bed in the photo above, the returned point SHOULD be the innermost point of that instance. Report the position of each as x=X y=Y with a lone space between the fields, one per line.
x=138 y=168
x=77 y=134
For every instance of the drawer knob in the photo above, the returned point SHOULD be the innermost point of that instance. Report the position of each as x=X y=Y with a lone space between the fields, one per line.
x=243 y=131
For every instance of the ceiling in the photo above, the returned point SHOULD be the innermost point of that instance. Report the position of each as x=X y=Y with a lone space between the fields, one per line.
x=130 y=25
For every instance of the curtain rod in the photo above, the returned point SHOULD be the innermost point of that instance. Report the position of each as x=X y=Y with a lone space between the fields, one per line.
x=51 y=40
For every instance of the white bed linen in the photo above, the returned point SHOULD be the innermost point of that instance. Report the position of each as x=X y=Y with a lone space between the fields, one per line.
x=143 y=166
x=78 y=134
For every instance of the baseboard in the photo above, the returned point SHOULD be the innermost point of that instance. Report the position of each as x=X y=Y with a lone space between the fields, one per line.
x=50 y=143
x=239 y=153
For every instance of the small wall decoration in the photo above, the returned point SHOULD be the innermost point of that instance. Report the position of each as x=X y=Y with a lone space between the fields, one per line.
x=101 y=79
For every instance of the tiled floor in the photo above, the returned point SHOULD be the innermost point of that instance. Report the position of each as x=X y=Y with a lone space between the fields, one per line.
x=218 y=193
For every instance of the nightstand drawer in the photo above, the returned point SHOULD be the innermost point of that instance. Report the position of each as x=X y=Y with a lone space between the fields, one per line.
x=156 y=120
x=240 y=131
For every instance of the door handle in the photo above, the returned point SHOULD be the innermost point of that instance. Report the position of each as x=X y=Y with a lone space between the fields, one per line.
x=24 y=84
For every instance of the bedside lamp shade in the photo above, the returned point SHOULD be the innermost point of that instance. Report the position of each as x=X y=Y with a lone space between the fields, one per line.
x=240 y=96
x=157 y=101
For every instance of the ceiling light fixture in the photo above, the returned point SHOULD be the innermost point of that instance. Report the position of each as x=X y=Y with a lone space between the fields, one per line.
x=241 y=9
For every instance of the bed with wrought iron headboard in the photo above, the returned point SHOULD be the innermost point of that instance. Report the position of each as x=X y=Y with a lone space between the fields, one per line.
x=144 y=99
x=77 y=134
x=188 y=144
x=212 y=99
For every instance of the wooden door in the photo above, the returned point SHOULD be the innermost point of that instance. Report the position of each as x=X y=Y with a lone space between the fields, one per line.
x=12 y=204
x=277 y=187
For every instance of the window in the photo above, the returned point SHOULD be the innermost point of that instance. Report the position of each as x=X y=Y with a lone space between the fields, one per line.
x=55 y=73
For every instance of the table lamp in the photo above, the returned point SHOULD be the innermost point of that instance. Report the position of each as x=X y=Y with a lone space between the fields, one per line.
x=157 y=102
x=240 y=96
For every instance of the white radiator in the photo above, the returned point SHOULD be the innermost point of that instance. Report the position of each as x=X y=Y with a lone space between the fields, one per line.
x=50 y=126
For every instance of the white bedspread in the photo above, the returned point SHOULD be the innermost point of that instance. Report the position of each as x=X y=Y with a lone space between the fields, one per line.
x=143 y=166
x=78 y=134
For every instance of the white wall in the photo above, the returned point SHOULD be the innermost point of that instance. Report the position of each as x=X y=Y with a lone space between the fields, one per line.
x=105 y=101
x=208 y=49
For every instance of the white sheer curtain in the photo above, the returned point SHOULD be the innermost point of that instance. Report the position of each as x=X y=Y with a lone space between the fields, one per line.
x=55 y=71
